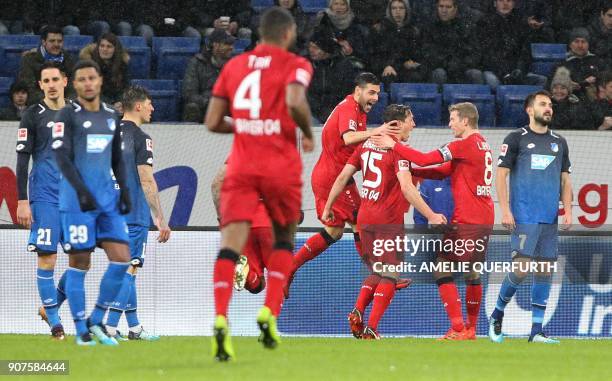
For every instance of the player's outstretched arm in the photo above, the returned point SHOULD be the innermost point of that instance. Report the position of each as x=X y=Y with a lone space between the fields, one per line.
x=408 y=153
x=354 y=137
x=501 y=184
x=415 y=199
x=437 y=173
x=343 y=178
x=149 y=187
x=215 y=120
x=566 y=199
x=119 y=171
x=299 y=110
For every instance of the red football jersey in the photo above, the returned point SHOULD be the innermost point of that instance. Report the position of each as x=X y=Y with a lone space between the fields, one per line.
x=254 y=83
x=471 y=179
x=347 y=116
x=382 y=201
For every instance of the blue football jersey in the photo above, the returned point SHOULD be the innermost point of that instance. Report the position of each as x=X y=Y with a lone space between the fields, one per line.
x=88 y=138
x=536 y=162
x=34 y=137
x=137 y=150
x=437 y=194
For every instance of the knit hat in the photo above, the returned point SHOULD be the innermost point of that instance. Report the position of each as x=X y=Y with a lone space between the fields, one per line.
x=562 y=78
x=578 y=33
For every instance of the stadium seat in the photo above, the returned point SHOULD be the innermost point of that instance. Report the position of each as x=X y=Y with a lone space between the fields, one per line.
x=480 y=95
x=260 y=5
x=241 y=44
x=546 y=56
x=165 y=98
x=423 y=99
x=510 y=100
x=171 y=55
x=140 y=56
x=11 y=48
x=74 y=44
x=313 y=6
x=5 y=86
x=375 y=115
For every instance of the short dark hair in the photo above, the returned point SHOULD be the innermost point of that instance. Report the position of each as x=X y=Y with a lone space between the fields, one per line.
x=604 y=78
x=275 y=21
x=606 y=5
x=365 y=78
x=133 y=94
x=50 y=29
x=17 y=87
x=531 y=97
x=51 y=65
x=396 y=112
x=84 y=64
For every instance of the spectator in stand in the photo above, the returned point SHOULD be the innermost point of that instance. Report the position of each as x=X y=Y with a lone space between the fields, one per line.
x=339 y=20
x=232 y=16
x=600 y=31
x=569 y=111
x=449 y=45
x=202 y=72
x=51 y=49
x=583 y=65
x=18 y=96
x=437 y=194
x=570 y=14
x=505 y=47
x=113 y=60
x=537 y=14
x=369 y=13
x=602 y=108
x=304 y=25
x=396 y=55
x=333 y=74
x=16 y=17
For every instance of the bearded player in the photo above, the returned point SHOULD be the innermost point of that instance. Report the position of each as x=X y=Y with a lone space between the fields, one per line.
x=343 y=131
x=264 y=92
x=387 y=189
x=469 y=163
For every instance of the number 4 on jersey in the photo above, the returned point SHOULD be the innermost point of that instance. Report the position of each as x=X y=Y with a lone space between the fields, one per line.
x=251 y=85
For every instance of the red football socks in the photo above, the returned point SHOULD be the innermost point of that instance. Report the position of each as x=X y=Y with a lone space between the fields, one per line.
x=452 y=303
x=382 y=298
x=223 y=280
x=367 y=292
x=473 y=296
x=279 y=268
x=314 y=246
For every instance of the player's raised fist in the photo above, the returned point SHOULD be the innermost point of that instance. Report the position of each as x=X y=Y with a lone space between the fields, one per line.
x=24 y=213
x=437 y=219
x=307 y=144
x=86 y=201
x=508 y=221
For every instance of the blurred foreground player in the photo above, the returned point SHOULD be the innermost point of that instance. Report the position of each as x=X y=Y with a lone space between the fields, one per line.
x=343 y=131
x=87 y=143
x=469 y=163
x=387 y=184
x=138 y=159
x=264 y=91
x=537 y=161
x=40 y=211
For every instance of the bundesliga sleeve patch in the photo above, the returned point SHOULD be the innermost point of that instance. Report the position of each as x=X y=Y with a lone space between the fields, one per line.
x=404 y=165
x=22 y=135
x=504 y=150
x=352 y=125
x=149 y=145
x=58 y=130
x=446 y=153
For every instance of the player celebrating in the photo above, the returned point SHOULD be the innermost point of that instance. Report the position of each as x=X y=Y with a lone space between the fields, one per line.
x=537 y=160
x=387 y=184
x=87 y=144
x=40 y=212
x=138 y=158
x=469 y=163
x=343 y=131
x=264 y=91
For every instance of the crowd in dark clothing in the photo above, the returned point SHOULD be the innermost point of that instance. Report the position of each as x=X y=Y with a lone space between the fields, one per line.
x=442 y=41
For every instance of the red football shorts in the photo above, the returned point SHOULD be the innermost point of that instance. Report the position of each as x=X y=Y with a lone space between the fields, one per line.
x=345 y=208
x=258 y=248
x=469 y=243
x=378 y=244
x=240 y=195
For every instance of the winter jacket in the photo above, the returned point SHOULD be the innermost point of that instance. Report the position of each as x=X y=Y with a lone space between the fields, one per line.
x=200 y=76
x=29 y=72
x=331 y=81
x=600 y=41
x=572 y=114
x=111 y=90
x=394 y=45
x=353 y=34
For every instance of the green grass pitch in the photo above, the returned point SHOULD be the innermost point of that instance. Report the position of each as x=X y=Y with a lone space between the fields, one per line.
x=321 y=359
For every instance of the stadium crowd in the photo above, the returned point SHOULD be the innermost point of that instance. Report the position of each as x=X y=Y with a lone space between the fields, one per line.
x=436 y=41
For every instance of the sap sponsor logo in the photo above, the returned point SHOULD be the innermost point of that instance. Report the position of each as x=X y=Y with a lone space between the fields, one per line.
x=87 y=124
x=97 y=143
x=352 y=125
x=541 y=162
x=258 y=127
x=554 y=147
x=22 y=134
x=50 y=124
x=149 y=145
x=57 y=144
x=504 y=150
x=530 y=145
x=58 y=130
x=20 y=147
x=111 y=124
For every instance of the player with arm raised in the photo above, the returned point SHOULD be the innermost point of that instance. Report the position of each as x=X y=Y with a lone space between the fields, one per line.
x=87 y=144
x=387 y=184
x=343 y=131
x=537 y=161
x=264 y=92
x=469 y=163
x=40 y=212
x=138 y=159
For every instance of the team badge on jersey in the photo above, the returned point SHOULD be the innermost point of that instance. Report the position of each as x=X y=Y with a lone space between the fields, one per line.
x=111 y=124
x=58 y=130
x=149 y=145
x=554 y=147
x=22 y=135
